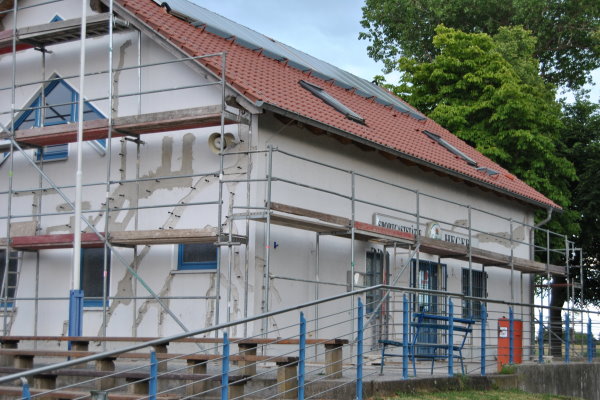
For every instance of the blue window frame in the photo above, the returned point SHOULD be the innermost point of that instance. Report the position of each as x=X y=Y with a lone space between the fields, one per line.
x=61 y=108
x=92 y=276
x=197 y=256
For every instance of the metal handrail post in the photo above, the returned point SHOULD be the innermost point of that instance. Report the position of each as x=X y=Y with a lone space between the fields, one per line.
x=152 y=383
x=450 y=338
x=301 y=357
x=483 y=338
x=541 y=337
x=590 y=341
x=225 y=368
x=359 y=351
x=405 y=336
x=511 y=336
x=567 y=337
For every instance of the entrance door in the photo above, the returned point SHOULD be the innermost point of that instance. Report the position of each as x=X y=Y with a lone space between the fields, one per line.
x=377 y=272
x=430 y=275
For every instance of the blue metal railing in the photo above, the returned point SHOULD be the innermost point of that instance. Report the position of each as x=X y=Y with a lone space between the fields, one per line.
x=294 y=347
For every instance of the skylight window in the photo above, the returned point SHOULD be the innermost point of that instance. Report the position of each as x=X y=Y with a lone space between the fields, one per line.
x=488 y=171
x=332 y=101
x=451 y=148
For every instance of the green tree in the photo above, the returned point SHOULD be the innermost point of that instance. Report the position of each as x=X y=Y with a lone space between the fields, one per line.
x=487 y=90
x=568 y=31
x=581 y=136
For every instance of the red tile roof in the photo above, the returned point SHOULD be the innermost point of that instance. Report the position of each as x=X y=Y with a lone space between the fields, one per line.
x=263 y=79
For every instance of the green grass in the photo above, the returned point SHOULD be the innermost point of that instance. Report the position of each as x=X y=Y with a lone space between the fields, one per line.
x=477 y=395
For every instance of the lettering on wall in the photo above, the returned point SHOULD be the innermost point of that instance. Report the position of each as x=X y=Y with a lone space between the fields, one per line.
x=403 y=225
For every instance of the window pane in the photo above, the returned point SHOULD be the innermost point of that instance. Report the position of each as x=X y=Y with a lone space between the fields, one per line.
x=58 y=105
x=89 y=113
x=92 y=271
x=12 y=273
x=199 y=252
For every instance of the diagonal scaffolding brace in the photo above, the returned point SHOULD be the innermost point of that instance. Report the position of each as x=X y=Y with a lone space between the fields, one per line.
x=94 y=230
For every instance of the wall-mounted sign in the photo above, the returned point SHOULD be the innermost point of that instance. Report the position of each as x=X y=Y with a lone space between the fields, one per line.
x=432 y=229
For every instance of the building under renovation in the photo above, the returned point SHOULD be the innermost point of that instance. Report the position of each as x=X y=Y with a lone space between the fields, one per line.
x=224 y=174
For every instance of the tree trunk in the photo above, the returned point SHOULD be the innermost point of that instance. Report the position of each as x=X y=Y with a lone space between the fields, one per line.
x=558 y=297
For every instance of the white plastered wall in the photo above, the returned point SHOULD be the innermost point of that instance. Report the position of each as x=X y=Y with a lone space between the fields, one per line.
x=160 y=155
x=295 y=255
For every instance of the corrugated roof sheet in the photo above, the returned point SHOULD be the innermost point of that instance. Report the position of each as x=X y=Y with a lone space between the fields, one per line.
x=261 y=78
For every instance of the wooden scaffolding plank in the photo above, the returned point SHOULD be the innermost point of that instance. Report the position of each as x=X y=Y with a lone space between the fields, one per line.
x=301 y=218
x=57 y=32
x=191 y=118
x=122 y=238
x=56 y=241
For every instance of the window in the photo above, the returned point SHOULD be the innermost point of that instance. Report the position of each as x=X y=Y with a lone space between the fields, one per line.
x=92 y=273
x=61 y=108
x=451 y=148
x=332 y=101
x=197 y=256
x=11 y=277
x=472 y=308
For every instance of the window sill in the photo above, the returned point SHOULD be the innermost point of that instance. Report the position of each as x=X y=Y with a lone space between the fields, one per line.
x=193 y=271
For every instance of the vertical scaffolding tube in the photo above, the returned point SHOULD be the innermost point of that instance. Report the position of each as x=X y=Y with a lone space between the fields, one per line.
x=267 y=268
x=352 y=232
x=220 y=205
x=470 y=302
x=105 y=273
x=317 y=277
x=76 y=277
x=512 y=263
x=10 y=173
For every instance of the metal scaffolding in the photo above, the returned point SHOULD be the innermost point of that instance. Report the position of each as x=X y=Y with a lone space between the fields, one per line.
x=261 y=210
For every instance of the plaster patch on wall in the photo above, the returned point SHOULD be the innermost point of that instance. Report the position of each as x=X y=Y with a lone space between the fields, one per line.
x=117 y=74
x=503 y=238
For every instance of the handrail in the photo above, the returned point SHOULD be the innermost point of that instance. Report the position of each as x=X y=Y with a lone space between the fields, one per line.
x=269 y=314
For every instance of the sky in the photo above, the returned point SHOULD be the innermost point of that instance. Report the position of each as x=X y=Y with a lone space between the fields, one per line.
x=326 y=29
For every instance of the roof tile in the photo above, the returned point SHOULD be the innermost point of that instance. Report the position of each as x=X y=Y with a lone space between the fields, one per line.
x=274 y=82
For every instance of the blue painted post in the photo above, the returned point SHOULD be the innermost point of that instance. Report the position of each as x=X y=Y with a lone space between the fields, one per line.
x=541 y=338
x=590 y=341
x=302 y=357
x=359 y=351
x=483 y=325
x=451 y=339
x=225 y=369
x=25 y=394
x=405 y=338
x=152 y=383
x=567 y=337
x=75 y=314
x=511 y=336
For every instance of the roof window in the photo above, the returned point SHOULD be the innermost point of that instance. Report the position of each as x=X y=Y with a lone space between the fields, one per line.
x=488 y=171
x=332 y=101
x=451 y=148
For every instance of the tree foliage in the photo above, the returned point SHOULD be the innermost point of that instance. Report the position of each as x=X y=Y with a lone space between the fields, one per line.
x=487 y=91
x=568 y=31
x=581 y=135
